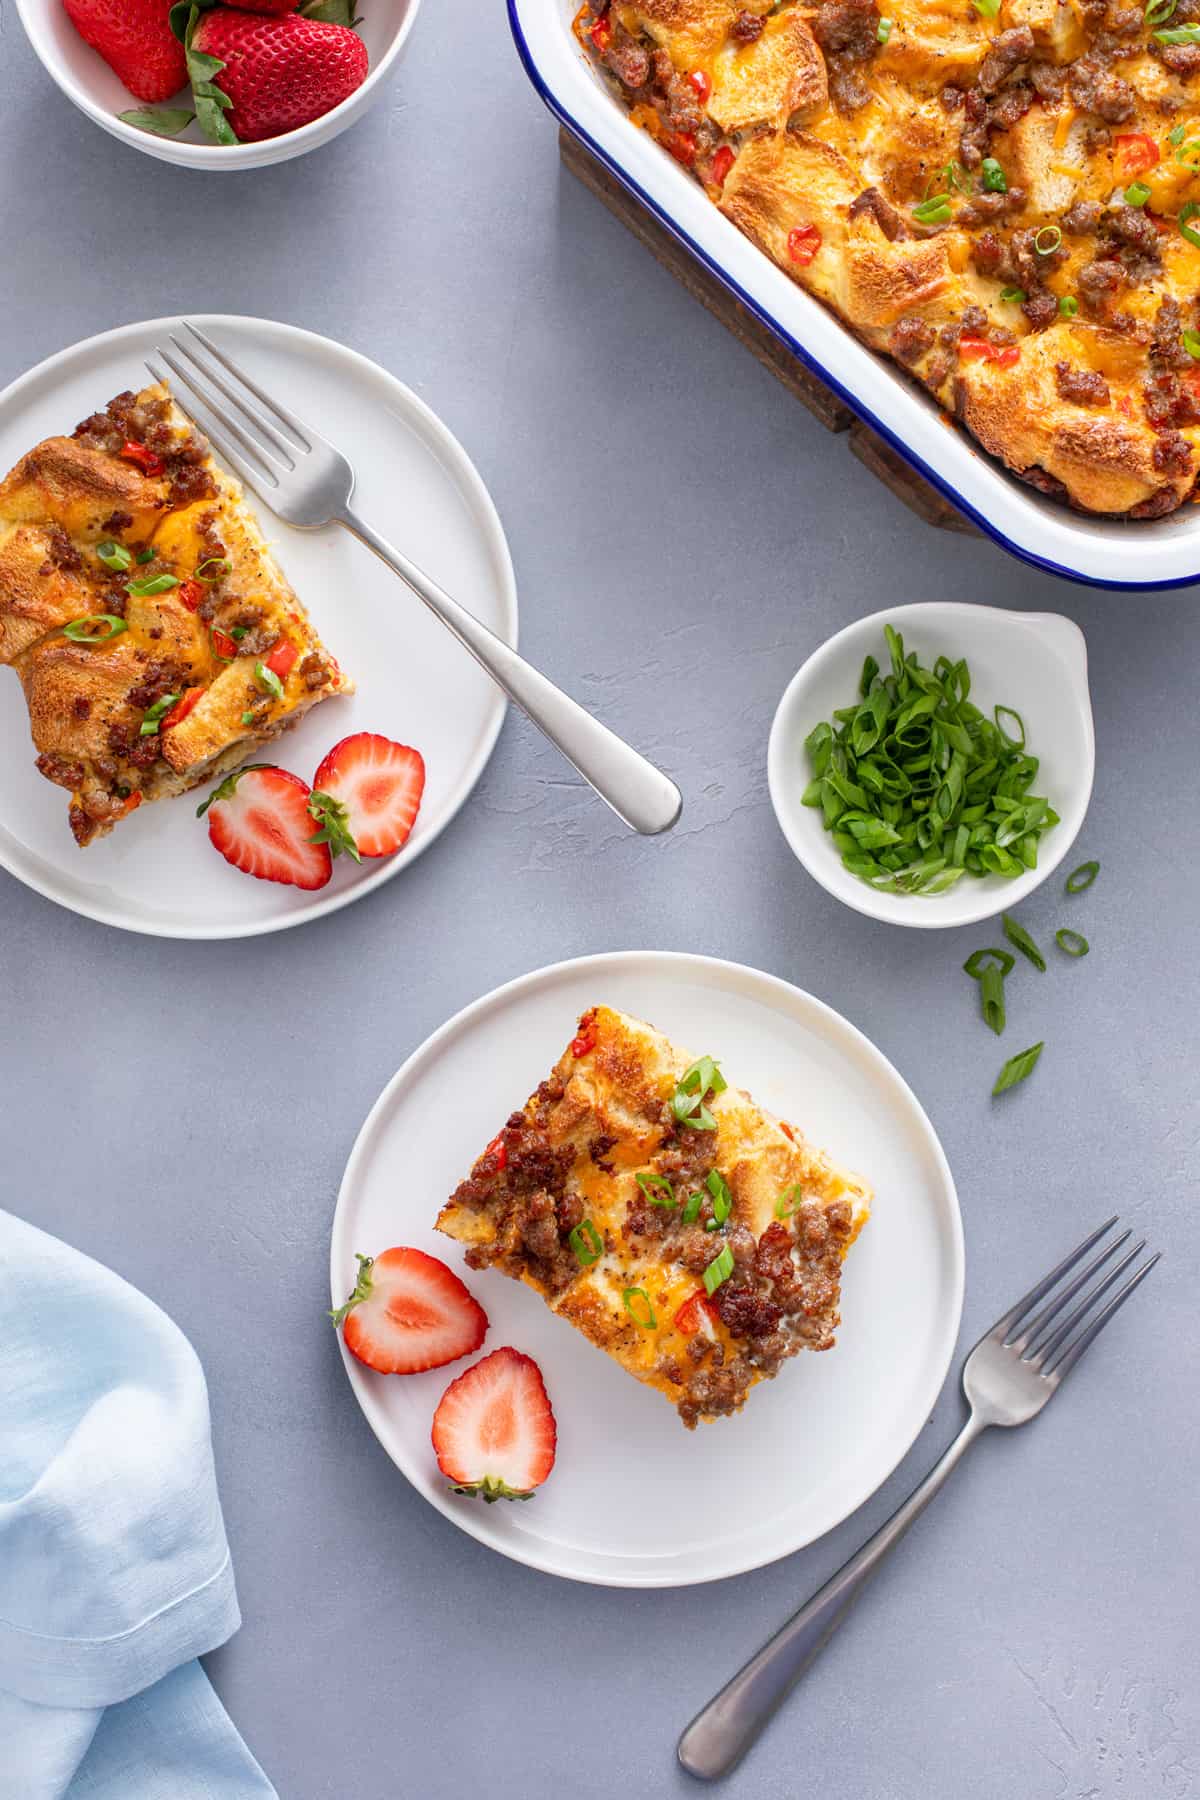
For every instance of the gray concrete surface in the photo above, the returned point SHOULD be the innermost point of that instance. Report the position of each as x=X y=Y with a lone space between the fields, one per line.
x=683 y=535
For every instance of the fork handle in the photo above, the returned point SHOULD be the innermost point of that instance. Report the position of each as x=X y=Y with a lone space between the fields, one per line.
x=720 y=1735
x=637 y=792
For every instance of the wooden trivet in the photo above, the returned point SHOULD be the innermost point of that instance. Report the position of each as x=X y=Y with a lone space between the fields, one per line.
x=871 y=450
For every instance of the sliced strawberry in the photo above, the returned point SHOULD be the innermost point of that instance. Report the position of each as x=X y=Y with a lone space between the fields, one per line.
x=409 y=1312
x=493 y=1431
x=366 y=794
x=258 y=819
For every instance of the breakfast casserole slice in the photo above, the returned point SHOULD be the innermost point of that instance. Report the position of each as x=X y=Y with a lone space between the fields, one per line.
x=155 y=636
x=691 y=1235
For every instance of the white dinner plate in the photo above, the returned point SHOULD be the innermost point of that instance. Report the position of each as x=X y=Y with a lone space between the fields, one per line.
x=634 y=1499
x=157 y=872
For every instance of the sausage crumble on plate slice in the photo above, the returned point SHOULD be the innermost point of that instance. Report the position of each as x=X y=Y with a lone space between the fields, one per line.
x=156 y=638
x=1006 y=205
x=676 y=1224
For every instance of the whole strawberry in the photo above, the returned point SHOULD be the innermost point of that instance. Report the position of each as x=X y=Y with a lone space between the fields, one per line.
x=136 y=42
x=269 y=6
x=279 y=73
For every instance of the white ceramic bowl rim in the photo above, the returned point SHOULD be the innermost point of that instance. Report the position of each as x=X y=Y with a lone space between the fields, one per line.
x=964 y=904
x=215 y=156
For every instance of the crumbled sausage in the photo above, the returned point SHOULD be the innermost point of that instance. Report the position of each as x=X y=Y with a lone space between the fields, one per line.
x=1084 y=387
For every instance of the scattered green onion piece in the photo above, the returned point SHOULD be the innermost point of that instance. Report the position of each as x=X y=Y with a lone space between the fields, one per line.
x=1008 y=712
x=994 y=179
x=146 y=555
x=695 y=1085
x=113 y=556
x=648 y=1322
x=719 y=1269
x=1068 y=305
x=269 y=679
x=1082 y=877
x=657 y=1190
x=1179 y=34
x=691 y=1210
x=1137 y=194
x=153 y=714
x=934 y=211
x=991 y=997
x=1189 y=212
x=870 y=670
x=238 y=633
x=151 y=584
x=1180 y=132
x=1012 y=296
x=220 y=565
x=788 y=1201
x=722 y=1199
x=247 y=718
x=1053 y=238
x=587 y=1244
x=1072 y=942
x=975 y=965
x=1191 y=343
x=86 y=630
x=883 y=30
x=1017 y=934
x=1018 y=1068
x=1157 y=13
x=987 y=9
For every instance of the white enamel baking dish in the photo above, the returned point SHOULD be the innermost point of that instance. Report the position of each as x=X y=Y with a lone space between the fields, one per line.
x=1159 y=553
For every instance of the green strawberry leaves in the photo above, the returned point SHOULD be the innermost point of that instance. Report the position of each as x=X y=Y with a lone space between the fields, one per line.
x=330 y=12
x=334 y=820
x=167 y=121
x=211 y=104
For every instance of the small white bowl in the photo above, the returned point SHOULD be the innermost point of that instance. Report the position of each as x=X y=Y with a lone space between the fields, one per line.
x=1033 y=662
x=86 y=79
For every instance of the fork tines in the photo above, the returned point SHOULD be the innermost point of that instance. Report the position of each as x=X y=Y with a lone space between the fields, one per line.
x=269 y=434
x=1052 y=1340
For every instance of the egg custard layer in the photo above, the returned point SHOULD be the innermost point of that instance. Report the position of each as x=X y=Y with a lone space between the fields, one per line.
x=1002 y=196
x=681 y=1228
x=155 y=636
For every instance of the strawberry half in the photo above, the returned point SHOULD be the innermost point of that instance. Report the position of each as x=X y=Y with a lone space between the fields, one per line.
x=409 y=1312
x=258 y=819
x=136 y=42
x=493 y=1431
x=366 y=795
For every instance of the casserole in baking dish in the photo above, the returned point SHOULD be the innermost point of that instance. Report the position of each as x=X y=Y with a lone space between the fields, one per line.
x=1051 y=422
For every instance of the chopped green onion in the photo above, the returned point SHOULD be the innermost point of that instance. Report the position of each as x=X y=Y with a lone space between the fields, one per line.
x=1018 y=1067
x=994 y=179
x=975 y=965
x=96 y=628
x=991 y=997
x=657 y=1190
x=870 y=670
x=1082 y=877
x=788 y=1201
x=1179 y=34
x=987 y=9
x=648 y=1322
x=1180 y=132
x=269 y=679
x=152 y=714
x=587 y=1244
x=719 y=1269
x=1157 y=13
x=1008 y=712
x=220 y=565
x=113 y=556
x=238 y=633
x=1073 y=942
x=1017 y=934
x=1137 y=194
x=691 y=1210
x=151 y=584
x=1052 y=237
x=934 y=211
x=722 y=1198
x=247 y=718
x=883 y=30
x=1012 y=296
x=1068 y=306
x=1189 y=212
x=695 y=1085
x=147 y=555
x=1191 y=343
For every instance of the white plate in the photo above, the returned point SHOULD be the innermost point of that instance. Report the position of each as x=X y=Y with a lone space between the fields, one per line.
x=157 y=872
x=635 y=1500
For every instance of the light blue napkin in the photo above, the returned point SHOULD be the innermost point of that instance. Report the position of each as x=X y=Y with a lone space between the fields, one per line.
x=114 y=1568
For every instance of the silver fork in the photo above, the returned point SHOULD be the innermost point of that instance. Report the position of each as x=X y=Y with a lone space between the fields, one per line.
x=307 y=482
x=1009 y=1376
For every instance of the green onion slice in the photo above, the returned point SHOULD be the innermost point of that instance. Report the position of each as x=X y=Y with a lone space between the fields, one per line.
x=1018 y=1068
x=1013 y=296
x=1072 y=942
x=883 y=30
x=269 y=679
x=1068 y=305
x=646 y=1320
x=695 y=1085
x=96 y=628
x=1189 y=212
x=657 y=1190
x=994 y=179
x=1179 y=34
x=1157 y=13
x=719 y=1269
x=587 y=1244
x=987 y=9
x=975 y=965
x=1137 y=194
x=219 y=565
x=1008 y=713
x=1082 y=877
x=146 y=555
x=1191 y=343
x=934 y=211
x=1017 y=934
x=691 y=1210
x=788 y=1201
x=722 y=1198
x=991 y=996
x=151 y=584
x=113 y=556
x=152 y=714
x=247 y=718
x=1047 y=240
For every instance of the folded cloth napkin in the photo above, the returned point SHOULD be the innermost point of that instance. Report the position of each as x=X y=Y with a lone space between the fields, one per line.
x=114 y=1568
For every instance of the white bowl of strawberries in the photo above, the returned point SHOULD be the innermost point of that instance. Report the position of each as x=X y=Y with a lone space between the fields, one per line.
x=216 y=86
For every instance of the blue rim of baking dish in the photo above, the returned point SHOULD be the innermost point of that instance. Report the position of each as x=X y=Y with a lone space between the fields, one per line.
x=857 y=406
